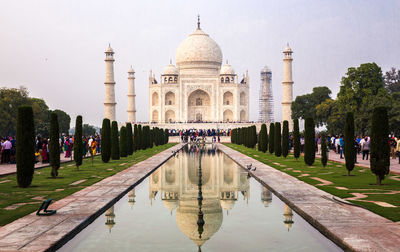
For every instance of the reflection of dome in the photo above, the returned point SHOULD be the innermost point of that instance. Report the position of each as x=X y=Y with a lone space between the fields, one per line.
x=170 y=70
x=193 y=173
x=198 y=47
x=227 y=70
x=155 y=177
x=228 y=174
x=266 y=70
x=186 y=218
x=227 y=204
x=170 y=176
x=170 y=204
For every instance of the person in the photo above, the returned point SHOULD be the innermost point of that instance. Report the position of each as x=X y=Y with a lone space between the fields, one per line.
x=355 y=150
x=6 y=146
x=341 y=146
x=365 y=147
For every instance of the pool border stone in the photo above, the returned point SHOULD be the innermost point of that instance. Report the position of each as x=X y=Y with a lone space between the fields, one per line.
x=350 y=227
x=77 y=211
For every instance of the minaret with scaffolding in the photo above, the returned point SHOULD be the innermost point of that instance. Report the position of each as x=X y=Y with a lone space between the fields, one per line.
x=266 y=100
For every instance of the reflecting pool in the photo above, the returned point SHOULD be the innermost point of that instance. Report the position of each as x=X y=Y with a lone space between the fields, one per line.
x=199 y=200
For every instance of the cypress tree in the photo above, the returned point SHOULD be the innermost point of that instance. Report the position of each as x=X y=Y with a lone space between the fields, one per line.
x=324 y=154
x=309 y=141
x=278 y=139
x=254 y=135
x=380 y=159
x=135 y=137
x=262 y=143
x=106 y=141
x=285 y=138
x=26 y=146
x=54 y=145
x=271 y=137
x=129 y=137
x=166 y=136
x=139 y=138
x=78 y=144
x=242 y=136
x=349 y=150
x=114 y=141
x=123 y=142
x=296 y=139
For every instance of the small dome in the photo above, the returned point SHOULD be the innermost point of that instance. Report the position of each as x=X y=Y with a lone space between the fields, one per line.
x=198 y=47
x=109 y=49
x=227 y=69
x=287 y=48
x=266 y=70
x=227 y=204
x=170 y=70
x=170 y=204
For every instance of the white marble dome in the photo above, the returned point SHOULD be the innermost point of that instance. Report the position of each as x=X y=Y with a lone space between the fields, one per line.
x=198 y=47
x=170 y=70
x=227 y=69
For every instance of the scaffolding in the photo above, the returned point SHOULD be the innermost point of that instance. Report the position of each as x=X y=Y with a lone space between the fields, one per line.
x=266 y=100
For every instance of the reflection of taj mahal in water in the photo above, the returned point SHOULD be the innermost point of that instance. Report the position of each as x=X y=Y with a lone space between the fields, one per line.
x=177 y=183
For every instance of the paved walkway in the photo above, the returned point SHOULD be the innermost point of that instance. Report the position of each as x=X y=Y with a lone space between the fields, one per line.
x=7 y=169
x=75 y=212
x=353 y=228
x=394 y=163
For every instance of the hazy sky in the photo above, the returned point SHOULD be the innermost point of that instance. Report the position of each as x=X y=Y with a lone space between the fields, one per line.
x=56 y=48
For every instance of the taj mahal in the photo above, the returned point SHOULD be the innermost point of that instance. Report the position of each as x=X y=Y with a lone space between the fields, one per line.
x=199 y=88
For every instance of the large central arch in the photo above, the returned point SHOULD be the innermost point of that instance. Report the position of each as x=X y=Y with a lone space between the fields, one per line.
x=199 y=106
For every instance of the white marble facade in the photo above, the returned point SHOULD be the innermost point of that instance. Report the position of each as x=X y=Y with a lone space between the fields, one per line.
x=199 y=88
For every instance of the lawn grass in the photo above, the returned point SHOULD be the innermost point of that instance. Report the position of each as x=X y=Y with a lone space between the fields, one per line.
x=45 y=186
x=361 y=181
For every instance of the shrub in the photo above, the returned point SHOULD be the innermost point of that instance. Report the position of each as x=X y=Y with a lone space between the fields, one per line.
x=54 y=144
x=78 y=145
x=271 y=137
x=25 y=150
x=278 y=139
x=296 y=139
x=380 y=159
x=309 y=141
x=349 y=151
x=262 y=143
x=129 y=137
x=114 y=141
x=135 y=137
x=166 y=137
x=285 y=139
x=106 y=141
x=123 y=142
x=324 y=154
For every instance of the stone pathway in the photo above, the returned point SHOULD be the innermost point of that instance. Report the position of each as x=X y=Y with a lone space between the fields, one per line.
x=353 y=228
x=332 y=156
x=75 y=212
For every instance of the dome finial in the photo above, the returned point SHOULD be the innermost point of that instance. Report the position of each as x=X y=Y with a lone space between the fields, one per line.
x=198 y=22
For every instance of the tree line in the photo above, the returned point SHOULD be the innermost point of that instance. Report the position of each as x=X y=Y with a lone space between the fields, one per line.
x=276 y=141
x=114 y=144
x=362 y=89
x=12 y=98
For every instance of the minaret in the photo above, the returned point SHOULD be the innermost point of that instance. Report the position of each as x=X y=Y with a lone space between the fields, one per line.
x=109 y=103
x=131 y=96
x=287 y=87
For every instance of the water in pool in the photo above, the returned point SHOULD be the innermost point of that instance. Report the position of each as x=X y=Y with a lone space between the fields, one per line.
x=199 y=200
